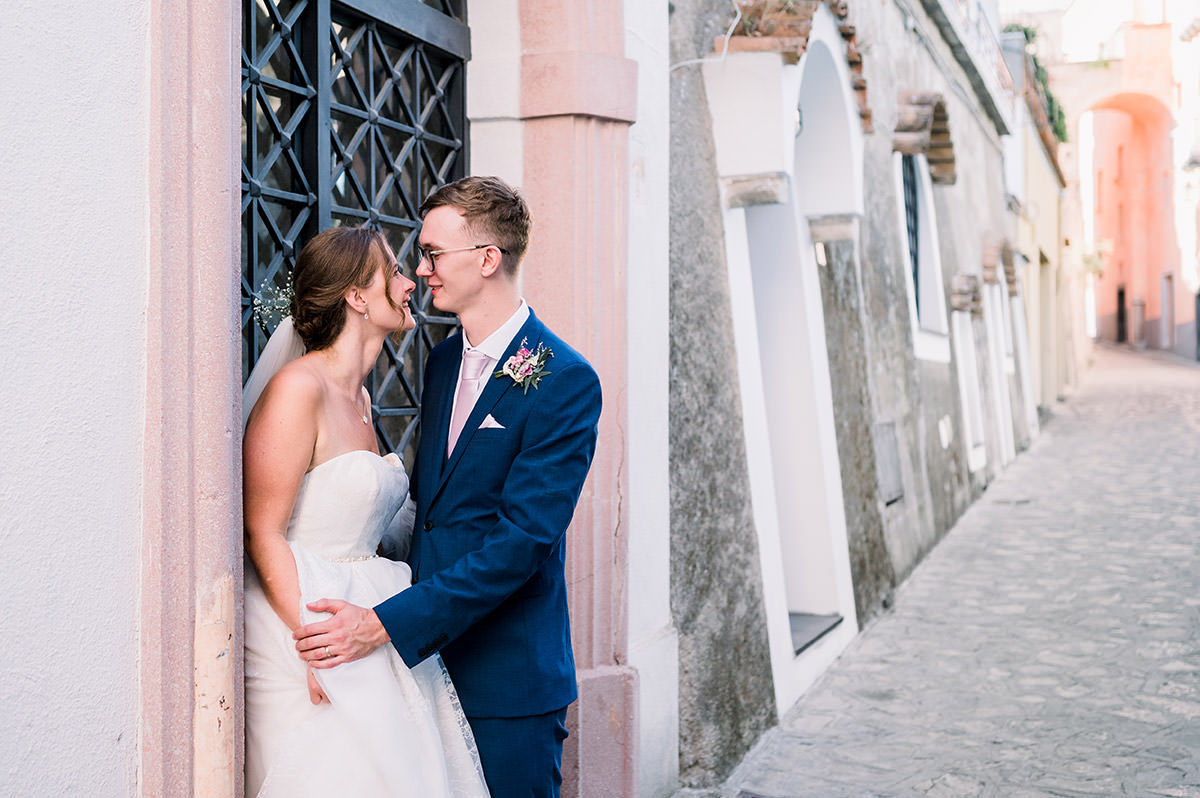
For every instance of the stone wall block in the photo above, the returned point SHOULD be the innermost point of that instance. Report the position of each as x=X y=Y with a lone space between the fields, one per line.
x=966 y=296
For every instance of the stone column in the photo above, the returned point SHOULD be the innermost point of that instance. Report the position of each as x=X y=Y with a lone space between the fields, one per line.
x=578 y=98
x=190 y=669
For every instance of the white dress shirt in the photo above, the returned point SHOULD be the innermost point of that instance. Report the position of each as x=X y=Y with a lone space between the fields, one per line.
x=494 y=347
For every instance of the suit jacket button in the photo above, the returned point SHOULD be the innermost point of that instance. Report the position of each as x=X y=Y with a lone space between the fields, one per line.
x=428 y=525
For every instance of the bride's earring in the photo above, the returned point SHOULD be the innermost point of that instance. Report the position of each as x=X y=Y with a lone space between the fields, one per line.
x=365 y=316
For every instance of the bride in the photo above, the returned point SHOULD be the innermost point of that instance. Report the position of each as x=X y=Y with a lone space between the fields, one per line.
x=318 y=502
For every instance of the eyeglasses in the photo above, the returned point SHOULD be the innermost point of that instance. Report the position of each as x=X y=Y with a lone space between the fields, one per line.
x=430 y=256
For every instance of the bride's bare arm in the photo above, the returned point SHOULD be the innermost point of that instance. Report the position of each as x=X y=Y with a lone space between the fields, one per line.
x=276 y=452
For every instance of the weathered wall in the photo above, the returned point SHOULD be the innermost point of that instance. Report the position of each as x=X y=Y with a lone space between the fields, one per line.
x=896 y=383
x=73 y=258
x=726 y=696
x=871 y=567
x=915 y=394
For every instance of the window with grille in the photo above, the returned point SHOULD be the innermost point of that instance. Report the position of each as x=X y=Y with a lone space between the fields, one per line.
x=919 y=250
x=352 y=113
x=912 y=206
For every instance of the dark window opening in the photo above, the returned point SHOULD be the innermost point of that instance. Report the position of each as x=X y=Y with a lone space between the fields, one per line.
x=908 y=167
x=1122 y=332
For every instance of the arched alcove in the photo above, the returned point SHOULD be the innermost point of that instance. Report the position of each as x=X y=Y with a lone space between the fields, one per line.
x=788 y=117
x=791 y=329
x=828 y=142
x=824 y=179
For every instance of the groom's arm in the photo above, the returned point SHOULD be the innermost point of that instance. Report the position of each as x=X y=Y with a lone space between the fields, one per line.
x=536 y=505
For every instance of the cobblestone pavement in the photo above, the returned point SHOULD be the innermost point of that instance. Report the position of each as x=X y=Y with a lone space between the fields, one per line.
x=1050 y=644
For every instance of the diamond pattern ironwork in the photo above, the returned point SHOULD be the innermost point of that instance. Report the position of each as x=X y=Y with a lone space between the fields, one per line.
x=451 y=8
x=346 y=119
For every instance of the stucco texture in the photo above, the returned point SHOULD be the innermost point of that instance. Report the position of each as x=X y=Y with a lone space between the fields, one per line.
x=870 y=567
x=917 y=394
x=726 y=697
x=72 y=256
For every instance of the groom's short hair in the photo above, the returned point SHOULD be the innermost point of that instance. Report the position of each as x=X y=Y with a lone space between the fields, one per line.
x=494 y=211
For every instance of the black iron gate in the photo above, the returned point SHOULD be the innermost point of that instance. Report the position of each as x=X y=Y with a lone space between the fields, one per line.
x=352 y=112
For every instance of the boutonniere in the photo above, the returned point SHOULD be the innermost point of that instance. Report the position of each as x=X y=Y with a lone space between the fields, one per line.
x=526 y=367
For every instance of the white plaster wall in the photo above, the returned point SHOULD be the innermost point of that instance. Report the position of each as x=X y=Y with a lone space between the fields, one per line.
x=73 y=261
x=1021 y=334
x=1088 y=23
x=1014 y=153
x=788 y=310
x=829 y=124
x=994 y=298
x=758 y=99
x=653 y=643
x=494 y=91
x=758 y=453
x=1186 y=59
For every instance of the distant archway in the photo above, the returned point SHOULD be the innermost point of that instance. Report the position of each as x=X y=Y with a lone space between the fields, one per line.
x=1119 y=213
x=1128 y=210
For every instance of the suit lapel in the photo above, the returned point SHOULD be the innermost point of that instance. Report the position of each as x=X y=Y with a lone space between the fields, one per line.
x=435 y=412
x=494 y=389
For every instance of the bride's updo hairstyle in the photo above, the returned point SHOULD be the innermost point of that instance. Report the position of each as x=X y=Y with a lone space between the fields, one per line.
x=332 y=263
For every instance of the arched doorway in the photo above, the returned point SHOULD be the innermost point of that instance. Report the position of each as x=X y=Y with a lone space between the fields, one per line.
x=788 y=152
x=790 y=319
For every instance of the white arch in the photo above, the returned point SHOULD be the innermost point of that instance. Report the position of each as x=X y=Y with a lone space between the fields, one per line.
x=774 y=182
x=831 y=134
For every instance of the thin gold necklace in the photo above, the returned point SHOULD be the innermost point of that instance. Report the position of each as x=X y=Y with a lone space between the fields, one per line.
x=362 y=413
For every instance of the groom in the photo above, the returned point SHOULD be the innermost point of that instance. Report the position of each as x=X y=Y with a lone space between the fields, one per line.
x=508 y=429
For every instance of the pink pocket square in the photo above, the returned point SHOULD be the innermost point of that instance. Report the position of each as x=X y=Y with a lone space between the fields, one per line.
x=491 y=423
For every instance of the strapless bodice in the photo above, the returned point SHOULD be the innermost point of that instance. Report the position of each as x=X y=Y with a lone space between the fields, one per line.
x=346 y=504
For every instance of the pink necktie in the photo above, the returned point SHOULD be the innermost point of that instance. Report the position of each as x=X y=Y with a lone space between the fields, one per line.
x=468 y=389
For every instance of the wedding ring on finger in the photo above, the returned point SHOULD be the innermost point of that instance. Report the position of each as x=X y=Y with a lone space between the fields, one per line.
x=328 y=654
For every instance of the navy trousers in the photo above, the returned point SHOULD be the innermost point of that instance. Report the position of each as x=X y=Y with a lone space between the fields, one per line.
x=522 y=757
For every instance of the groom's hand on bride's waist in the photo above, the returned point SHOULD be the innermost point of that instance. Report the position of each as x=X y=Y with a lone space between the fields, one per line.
x=351 y=632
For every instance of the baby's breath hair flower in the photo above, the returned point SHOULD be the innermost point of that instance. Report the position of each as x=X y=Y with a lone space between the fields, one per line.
x=273 y=302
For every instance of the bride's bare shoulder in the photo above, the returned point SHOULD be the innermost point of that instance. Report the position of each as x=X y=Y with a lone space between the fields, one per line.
x=302 y=374
x=296 y=387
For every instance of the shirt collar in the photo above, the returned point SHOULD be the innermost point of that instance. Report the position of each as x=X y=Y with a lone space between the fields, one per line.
x=497 y=343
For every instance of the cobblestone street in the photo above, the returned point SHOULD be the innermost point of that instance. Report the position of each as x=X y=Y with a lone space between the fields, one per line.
x=1050 y=644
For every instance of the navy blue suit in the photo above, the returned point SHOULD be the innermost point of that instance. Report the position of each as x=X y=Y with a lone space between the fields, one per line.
x=488 y=546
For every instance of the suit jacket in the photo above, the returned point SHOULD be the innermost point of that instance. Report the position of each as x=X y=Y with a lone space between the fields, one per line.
x=487 y=552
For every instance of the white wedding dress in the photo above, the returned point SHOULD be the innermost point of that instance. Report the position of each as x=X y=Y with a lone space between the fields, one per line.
x=387 y=730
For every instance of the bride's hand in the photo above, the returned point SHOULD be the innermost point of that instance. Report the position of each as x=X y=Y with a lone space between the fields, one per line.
x=315 y=693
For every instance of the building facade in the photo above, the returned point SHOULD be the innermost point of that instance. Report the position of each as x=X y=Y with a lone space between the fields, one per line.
x=1127 y=75
x=840 y=222
x=1053 y=300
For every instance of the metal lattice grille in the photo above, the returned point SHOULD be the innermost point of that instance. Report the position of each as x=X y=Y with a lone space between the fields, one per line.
x=912 y=223
x=352 y=113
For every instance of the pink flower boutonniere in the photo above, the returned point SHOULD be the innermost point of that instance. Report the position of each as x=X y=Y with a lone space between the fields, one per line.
x=526 y=367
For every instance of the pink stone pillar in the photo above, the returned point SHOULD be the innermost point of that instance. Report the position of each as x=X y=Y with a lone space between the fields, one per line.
x=578 y=98
x=190 y=660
